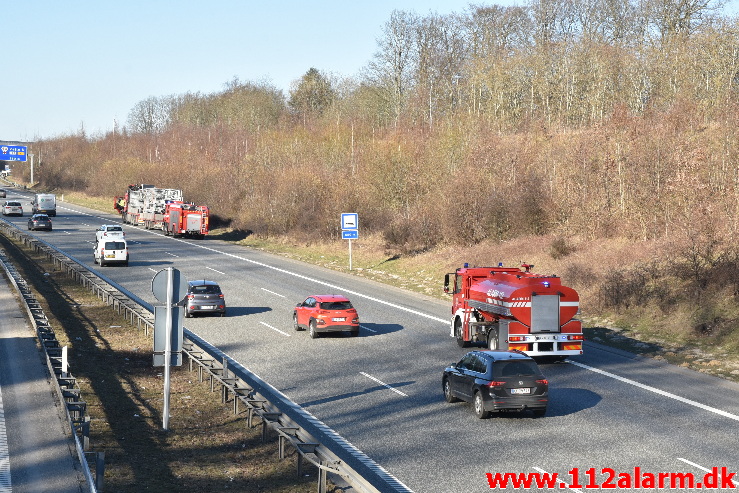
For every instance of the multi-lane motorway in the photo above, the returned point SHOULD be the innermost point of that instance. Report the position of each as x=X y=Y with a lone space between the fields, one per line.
x=612 y=415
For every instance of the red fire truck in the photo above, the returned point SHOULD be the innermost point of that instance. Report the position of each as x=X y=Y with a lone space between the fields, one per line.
x=514 y=308
x=186 y=219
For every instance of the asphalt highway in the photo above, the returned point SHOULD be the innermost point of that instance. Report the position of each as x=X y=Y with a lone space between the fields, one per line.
x=613 y=417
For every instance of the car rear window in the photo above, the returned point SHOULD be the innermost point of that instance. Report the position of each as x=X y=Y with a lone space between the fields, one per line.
x=14 y=204
x=114 y=228
x=207 y=289
x=115 y=245
x=336 y=305
x=514 y=368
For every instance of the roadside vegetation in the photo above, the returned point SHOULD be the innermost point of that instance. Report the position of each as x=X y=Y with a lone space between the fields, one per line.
x=596 y=140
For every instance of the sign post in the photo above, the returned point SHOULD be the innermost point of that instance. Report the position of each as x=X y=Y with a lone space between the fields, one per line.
x=350 y=230
x=169 y=287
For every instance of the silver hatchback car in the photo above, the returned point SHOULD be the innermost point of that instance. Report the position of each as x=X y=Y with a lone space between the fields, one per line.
x=204 y=297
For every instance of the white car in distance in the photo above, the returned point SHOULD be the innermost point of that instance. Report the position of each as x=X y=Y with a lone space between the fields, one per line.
x=109 y=232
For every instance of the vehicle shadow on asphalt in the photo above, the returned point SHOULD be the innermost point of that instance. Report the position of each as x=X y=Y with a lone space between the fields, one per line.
x=349 y=395
x=237 y=311
x=564 y=401
x=368 y=330
x=144 y=263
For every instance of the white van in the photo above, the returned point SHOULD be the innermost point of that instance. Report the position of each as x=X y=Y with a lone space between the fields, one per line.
x=113 y=251
x=44 y=203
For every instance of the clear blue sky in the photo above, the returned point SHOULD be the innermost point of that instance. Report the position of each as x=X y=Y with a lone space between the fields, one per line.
x=69 y=64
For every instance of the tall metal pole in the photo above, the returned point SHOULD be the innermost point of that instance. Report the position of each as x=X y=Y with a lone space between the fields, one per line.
x=168 y=347
x=31 y=154
x=350 y=254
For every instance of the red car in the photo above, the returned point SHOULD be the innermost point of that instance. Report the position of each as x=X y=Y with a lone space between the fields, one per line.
x=326 y=313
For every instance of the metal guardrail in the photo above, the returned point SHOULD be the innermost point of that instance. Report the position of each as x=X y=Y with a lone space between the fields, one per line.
x=313 y=441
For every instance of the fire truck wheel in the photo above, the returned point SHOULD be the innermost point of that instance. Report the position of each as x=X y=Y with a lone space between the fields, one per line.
x=458 y=334
x=312 y=329
x=448 y=396
x=480 y=411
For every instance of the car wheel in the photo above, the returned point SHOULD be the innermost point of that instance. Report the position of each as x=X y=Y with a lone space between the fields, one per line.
x=538 y=413
x=296 y=326
x=188 y=314
x=448 y=396
x=480 y=411
x=355 y=333
x=223 y=314
x=312 y=329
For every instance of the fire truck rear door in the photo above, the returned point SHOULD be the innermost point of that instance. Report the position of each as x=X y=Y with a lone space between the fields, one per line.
x=545 y=313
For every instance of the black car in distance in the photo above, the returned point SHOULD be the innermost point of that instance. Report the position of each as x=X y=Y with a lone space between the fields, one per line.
x=497 y=380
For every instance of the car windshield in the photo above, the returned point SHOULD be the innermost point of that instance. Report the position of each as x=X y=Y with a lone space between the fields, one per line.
x=514 y=368
x=206 y=289
x=114 y=245
x=336 y=305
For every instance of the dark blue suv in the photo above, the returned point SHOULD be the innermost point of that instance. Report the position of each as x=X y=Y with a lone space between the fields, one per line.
x=497 y=380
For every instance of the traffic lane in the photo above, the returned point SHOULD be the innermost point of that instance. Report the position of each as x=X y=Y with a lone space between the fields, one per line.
x=317 y=399
x=592 y=422
x=261 y=266
x=674 y=380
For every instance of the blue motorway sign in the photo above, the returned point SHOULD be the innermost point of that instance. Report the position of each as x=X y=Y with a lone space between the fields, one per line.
x=13 y=153
x=350 y=234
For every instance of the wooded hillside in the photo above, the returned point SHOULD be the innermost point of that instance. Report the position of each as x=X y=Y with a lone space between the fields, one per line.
x=584 y=119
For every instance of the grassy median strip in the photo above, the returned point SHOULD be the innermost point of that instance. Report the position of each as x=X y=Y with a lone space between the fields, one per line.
x=206 y=448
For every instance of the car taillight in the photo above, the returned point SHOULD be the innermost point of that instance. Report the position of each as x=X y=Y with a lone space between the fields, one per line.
x=543 y=381
x=494 y=383
x=190 y=296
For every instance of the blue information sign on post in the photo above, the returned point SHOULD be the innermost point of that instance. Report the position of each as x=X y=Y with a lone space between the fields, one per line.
x=350 y=230
x=13 y=153
x=349 y=220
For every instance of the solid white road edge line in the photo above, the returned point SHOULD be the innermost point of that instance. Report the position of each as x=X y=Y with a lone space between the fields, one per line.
x=383 y=384
x=275 y=329
x=657 y=391
x=300 y=276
